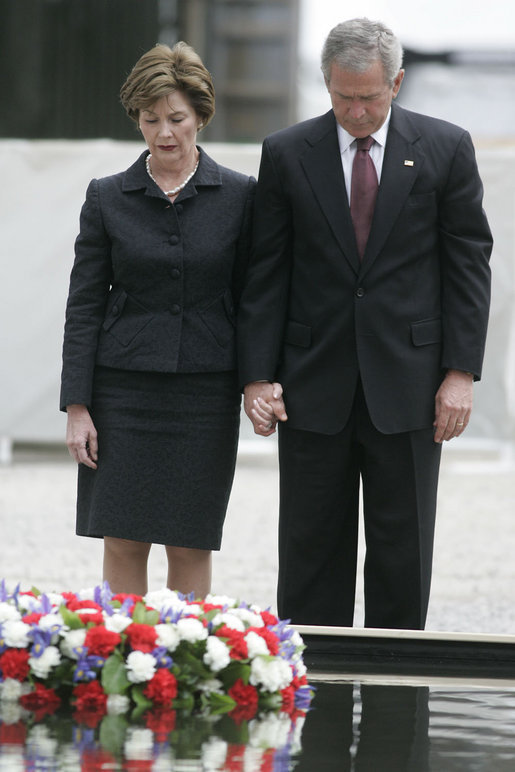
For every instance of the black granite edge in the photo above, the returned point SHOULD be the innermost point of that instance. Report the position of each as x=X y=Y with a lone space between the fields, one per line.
x=410 y=657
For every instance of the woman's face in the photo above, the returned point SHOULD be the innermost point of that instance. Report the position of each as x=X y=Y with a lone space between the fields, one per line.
x=169 y=127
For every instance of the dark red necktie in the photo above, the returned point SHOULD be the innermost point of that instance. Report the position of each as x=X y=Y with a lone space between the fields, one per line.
x=363 y=192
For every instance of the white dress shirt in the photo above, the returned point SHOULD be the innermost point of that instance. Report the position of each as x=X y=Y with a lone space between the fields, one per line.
x=348 y=150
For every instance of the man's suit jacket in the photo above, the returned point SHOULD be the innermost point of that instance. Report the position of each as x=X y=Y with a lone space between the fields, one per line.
x=314 y=317
x=154 y=286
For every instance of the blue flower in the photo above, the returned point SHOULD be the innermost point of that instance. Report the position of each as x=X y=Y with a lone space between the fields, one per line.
x=40 y=640
x=162 y=657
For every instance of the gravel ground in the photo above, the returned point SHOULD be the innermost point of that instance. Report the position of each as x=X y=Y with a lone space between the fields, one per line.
x=474 y=570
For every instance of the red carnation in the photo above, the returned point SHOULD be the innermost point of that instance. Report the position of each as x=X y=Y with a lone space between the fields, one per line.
x=270 y=638
x=96 y=618
x=267 y=761
x=242 y=713
x=244 y=694
x=101 y=642
x=235 y=757
x=41 y=697
x=90 y=696
x=32 y=619
x=288 y=699
x=89 y=717
x=235 y=640
x=162 y=688
x=13 y=734
x=269 y=618
x=161 y=721
x=14 y=663
x=95 y=758
x=138 y=765
x=74 y=604
x=207 y=607
x=142 y=637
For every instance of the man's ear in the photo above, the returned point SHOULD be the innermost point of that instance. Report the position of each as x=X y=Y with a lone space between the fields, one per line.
x=397 y=83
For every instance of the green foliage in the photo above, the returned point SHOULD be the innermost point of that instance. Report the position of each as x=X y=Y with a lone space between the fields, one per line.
x=114 y=675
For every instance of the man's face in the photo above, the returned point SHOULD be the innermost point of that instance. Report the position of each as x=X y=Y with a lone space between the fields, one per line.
x=361 y=100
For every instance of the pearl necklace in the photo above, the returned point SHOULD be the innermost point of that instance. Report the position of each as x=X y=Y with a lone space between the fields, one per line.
x=174 y=190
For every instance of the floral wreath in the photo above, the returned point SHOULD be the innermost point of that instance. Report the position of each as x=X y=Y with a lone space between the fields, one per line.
x=114 y=653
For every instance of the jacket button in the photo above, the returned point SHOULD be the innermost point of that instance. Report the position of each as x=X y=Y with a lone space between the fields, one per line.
x=175 y=309
x=175 y=273
x=360 y=292
x=174 y=240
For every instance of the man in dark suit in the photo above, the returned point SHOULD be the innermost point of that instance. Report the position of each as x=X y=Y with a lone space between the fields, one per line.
x=375 y=338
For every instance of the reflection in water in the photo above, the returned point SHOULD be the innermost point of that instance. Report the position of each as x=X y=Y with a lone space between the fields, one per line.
x=352 y=727
x=371 y=727
x=161 y=742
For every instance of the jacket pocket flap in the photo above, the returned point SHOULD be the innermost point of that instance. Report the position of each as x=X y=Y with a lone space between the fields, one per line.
x=297 y=334
x=218 y=317
x=115 y=307
x=126 y=318
x=426 y=331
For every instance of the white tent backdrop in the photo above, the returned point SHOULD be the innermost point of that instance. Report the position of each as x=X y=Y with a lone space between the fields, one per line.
x=43 y=187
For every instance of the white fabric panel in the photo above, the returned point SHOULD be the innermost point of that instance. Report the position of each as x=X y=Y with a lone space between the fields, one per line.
x=43 y=187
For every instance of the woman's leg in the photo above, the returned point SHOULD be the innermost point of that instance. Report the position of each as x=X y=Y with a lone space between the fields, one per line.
x=125 y=565
x=189 y=570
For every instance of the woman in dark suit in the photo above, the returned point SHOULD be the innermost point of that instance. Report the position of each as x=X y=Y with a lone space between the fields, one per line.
x=148 y=379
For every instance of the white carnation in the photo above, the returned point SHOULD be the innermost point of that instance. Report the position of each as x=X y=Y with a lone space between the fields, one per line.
x=10 y=713
x=73 y=639
x=164 y=599
x=28 y=603
x=191 y=630
x=256 y=644
x=229 y=620
x=41 y=745
x=56 y=599
x=220 y=600
x=214 y=753
x=273 y=674
x=301 y=668
x=52 y=623
x=213 y=685
x=167 y=636
x=9 y=613
x=270 y=732
x=41 y=666
x=250 y=618
x=140 y=667
x=116 y=623
x=217 y=654
x=15 y=634
x=10 y=689
x=117 y=704
x=139 y=743
x=296 y=639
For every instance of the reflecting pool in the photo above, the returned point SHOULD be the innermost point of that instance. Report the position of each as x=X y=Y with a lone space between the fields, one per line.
x=356 y=723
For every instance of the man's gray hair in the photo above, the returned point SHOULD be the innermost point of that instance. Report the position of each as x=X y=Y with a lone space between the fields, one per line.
x=355 y=44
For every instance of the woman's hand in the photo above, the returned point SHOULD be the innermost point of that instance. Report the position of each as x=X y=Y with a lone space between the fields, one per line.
x=264 y=406
x=81 y=436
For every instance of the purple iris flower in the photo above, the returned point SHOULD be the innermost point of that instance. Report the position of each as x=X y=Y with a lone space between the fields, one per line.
x=162 y=657
x=40 y=640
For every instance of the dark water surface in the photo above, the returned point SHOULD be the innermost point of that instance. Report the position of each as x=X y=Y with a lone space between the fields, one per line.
x=368 y=725
x=395 y=727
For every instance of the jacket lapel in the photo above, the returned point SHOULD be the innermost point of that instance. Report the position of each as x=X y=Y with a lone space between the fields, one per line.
x=322 y=166
x=403 y=160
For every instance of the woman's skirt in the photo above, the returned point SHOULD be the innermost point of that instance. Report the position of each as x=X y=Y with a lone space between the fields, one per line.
x=167 y=446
